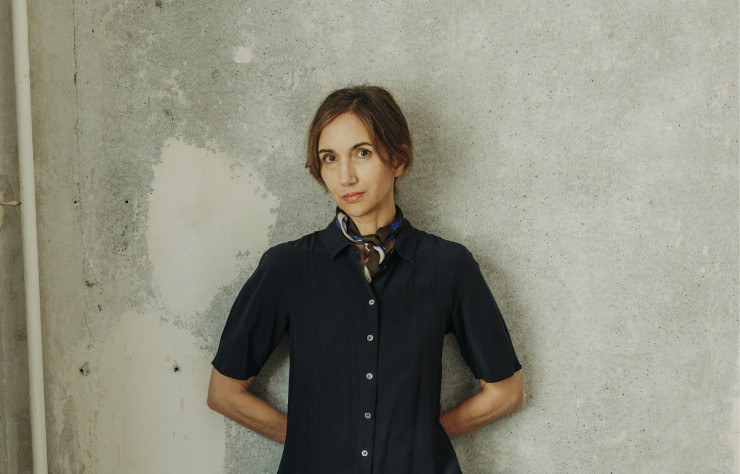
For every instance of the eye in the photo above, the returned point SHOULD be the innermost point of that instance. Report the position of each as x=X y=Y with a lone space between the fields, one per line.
x=328 y=158
x=362 y=153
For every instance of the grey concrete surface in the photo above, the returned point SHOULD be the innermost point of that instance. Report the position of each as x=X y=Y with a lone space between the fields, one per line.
x=586 y=153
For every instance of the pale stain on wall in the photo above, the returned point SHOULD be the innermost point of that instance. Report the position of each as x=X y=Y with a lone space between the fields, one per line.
x=242 y=55
x=152 y=417
x=207 y=212
x=142 y=403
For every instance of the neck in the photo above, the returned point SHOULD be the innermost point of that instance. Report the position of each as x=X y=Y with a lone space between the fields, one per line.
x=370 y=223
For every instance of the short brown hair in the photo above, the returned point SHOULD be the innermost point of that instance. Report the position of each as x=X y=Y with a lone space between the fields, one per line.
x=380 y=113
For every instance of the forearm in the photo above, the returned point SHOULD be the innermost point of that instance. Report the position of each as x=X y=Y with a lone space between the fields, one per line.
x=254 y=413
x=481 y=409
x=259 y=416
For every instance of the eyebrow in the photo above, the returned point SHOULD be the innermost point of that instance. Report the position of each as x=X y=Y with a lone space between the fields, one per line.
x=354 y=147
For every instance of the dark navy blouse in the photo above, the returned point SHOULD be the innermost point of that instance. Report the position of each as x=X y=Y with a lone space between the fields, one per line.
x=366 y=358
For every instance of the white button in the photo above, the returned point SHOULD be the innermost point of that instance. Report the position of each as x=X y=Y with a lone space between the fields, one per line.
x=367 y=415
x=369 y=375
x=364 y=452
x=372 y=302
x=369 y=337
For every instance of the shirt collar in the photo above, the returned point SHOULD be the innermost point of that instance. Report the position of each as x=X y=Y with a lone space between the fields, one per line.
x=405 y=245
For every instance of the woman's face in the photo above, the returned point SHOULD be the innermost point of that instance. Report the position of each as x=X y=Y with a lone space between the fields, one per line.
x=358 y=180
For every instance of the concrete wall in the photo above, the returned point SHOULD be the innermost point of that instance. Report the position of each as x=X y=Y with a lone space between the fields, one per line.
x=586 y=153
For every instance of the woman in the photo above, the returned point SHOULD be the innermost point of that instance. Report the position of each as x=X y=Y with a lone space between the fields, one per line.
x=366 y=303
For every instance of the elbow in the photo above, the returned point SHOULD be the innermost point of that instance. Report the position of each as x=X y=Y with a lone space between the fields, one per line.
x=516 y=397
x=517 y=401
x=516 y=393
x=505 y=396
x=222 y=396
x=211 y=401
x=215 y=399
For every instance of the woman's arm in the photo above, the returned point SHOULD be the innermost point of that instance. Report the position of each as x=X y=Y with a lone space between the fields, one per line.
x=495 y=400
x=232 y=398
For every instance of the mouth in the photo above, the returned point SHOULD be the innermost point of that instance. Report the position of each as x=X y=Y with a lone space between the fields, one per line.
x=352 y=197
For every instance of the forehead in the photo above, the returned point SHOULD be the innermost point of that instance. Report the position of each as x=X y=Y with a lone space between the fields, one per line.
x=344 y=129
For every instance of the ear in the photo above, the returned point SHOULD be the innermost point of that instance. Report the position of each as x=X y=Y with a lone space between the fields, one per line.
x=399 y=166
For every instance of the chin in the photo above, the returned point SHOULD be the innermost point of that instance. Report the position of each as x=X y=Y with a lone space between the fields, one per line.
x=353 y=210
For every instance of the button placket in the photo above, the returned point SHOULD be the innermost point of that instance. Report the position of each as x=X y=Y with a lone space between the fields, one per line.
x=368 y=392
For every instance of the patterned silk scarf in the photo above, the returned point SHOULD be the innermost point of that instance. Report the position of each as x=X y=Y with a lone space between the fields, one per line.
x=376 y=246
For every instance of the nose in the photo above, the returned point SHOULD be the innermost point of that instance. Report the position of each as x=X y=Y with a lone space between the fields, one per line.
x=346 y=173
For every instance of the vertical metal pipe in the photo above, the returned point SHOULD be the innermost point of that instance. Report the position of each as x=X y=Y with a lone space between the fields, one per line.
x=30 y=242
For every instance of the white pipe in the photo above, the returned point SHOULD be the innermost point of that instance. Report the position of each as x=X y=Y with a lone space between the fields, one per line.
x=30 y=242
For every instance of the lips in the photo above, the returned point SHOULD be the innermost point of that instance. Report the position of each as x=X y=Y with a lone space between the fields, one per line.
x=352 y=197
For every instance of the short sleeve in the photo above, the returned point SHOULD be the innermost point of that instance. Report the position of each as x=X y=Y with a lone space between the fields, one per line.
x=475 y=319
x=255 y=323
